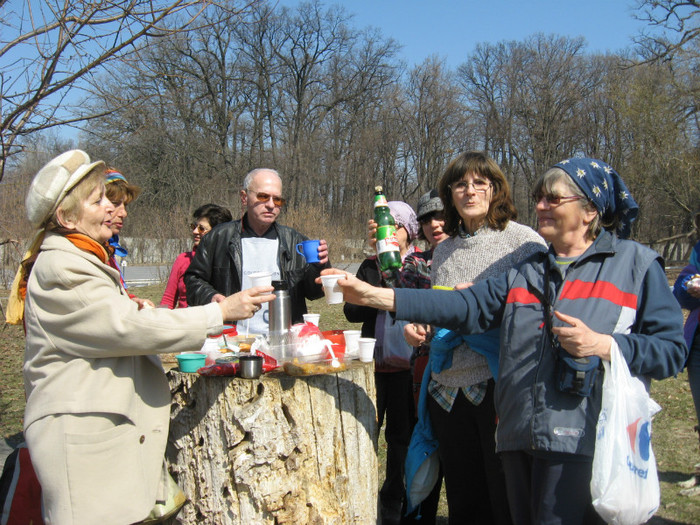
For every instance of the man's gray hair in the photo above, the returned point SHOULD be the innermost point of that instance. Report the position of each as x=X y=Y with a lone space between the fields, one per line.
x=249 y=177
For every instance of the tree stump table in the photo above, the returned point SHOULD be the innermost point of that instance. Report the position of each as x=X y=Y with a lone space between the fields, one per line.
x=278 y=449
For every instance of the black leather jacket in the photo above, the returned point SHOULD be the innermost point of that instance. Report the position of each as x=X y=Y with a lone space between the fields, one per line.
x=216 y=267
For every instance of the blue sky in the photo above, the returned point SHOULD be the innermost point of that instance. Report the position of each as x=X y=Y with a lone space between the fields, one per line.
x=451 y=28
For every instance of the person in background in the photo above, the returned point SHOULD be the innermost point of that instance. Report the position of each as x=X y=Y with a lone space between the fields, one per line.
x=394 y=385
x=687 y=291
x=592 y=290
x=484 y=240
x=205 y=218
x=98 y=402
x=229 y=254
x=415 y=273
x=120 y=193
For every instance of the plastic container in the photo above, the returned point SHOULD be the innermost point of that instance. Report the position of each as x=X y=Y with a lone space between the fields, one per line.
x=190 y=362
x=313 y=365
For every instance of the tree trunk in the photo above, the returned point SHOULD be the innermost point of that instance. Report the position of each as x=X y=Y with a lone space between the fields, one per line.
x=281 y=449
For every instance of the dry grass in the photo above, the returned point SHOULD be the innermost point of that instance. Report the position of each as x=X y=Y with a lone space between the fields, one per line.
x=675 y=443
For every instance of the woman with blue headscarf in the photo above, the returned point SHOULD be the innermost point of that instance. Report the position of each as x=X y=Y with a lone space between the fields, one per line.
x=592 y=290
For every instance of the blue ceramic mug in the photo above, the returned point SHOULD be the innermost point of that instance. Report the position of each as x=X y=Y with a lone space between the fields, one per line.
x=309 y=249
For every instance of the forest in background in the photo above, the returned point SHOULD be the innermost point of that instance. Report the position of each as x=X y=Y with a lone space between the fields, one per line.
x=332 y=108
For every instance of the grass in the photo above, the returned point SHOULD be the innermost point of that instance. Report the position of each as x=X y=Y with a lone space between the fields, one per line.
x=675 y=444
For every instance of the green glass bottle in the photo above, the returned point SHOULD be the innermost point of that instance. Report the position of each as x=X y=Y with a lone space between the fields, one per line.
x=388 y=251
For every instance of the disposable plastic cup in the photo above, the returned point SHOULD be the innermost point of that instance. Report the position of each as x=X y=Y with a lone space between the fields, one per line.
x=352 y=342
x=334 y=294
x=260 y=279
x=312 y=318
x=366 y=349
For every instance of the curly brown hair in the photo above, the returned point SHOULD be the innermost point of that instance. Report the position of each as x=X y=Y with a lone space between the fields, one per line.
x=501 y=207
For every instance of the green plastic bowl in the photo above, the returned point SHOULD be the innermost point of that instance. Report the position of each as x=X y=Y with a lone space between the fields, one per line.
x=190 y=362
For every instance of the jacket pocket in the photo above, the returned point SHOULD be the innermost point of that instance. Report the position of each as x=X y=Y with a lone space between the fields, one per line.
x=106 y=476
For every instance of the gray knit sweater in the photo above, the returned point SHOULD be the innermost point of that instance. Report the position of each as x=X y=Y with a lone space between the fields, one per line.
x=460 y=259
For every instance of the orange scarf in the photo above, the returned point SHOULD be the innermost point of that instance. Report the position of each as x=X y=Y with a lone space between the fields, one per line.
x=18 y=294
x=89 y=245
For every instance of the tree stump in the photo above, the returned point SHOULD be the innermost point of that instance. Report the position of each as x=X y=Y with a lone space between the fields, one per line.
x=279 y=449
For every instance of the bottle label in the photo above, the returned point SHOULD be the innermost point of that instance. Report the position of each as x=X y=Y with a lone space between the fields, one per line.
x=386 y=239
x=380 y=200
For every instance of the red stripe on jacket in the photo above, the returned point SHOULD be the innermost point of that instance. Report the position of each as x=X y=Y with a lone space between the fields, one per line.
x=600 y=290
x=522 y=296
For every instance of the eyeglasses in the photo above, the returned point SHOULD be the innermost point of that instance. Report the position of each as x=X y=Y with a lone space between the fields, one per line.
x=461 y=186
x=264 y=197
x=430 y=217
x=556 y=200
x=200 y=228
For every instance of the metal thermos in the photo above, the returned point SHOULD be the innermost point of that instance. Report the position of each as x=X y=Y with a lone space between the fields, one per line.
x=280 y=313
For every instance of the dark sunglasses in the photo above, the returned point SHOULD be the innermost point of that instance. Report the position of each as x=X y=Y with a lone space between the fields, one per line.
x=201 y=229
x=264 y=197
x=556 y=200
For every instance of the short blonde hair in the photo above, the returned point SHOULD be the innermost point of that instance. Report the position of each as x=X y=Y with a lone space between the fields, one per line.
x=72 y=204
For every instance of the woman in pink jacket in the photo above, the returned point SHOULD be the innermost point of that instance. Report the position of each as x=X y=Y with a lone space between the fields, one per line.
x=205 y=218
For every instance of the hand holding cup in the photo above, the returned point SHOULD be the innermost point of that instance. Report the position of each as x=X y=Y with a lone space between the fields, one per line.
x=313 y=250
x=244 y=304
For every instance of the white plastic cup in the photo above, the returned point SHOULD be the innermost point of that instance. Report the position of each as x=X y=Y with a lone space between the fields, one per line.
x=334 y=294
x=260 y=279
x=366 y=349
x=352 y=342
x=312 y=318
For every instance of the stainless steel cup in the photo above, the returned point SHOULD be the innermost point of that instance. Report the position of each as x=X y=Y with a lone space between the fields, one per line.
x=250 y=366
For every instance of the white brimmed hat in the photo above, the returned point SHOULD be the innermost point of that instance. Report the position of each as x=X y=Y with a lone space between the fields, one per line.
x=53 y=182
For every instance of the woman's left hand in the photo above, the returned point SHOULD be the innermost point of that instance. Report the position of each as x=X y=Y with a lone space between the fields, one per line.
x=581 y=341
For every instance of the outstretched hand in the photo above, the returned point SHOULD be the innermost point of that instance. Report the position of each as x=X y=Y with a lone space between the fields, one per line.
x=244 y=304
x=359 y=292
x=579 y=340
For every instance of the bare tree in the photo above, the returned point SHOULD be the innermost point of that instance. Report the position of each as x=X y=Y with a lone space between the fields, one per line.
x=433 y=123
x=51 y=50
x=674 y=24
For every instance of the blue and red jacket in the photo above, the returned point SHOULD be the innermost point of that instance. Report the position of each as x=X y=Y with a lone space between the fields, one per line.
x=616 y=287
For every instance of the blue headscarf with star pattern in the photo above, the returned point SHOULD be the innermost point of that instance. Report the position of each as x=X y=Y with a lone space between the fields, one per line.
x=605 y=189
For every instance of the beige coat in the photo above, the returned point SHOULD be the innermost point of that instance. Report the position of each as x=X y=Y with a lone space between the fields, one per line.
x=89 y=352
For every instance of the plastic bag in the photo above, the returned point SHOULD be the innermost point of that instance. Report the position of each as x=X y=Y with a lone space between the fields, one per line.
x=624 y=482
x=396 y=352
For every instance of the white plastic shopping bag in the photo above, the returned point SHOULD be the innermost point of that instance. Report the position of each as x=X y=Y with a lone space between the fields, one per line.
x=624 y=484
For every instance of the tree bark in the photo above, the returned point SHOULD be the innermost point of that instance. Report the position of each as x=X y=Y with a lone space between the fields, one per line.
x=280 y=449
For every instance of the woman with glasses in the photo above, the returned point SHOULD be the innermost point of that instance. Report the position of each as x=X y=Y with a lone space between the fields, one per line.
x=484 y=240
x=591 y=292
x=205 y=218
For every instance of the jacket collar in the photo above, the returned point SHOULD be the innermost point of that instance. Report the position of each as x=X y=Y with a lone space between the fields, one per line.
x=604 y=244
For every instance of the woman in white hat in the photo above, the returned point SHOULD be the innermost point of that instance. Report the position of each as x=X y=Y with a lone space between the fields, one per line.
x=98 y=403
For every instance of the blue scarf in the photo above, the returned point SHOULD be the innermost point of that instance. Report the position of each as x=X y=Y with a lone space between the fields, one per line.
x=605 y=189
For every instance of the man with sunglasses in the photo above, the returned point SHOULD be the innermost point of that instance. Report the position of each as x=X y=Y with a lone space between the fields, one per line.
x=232 y=251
